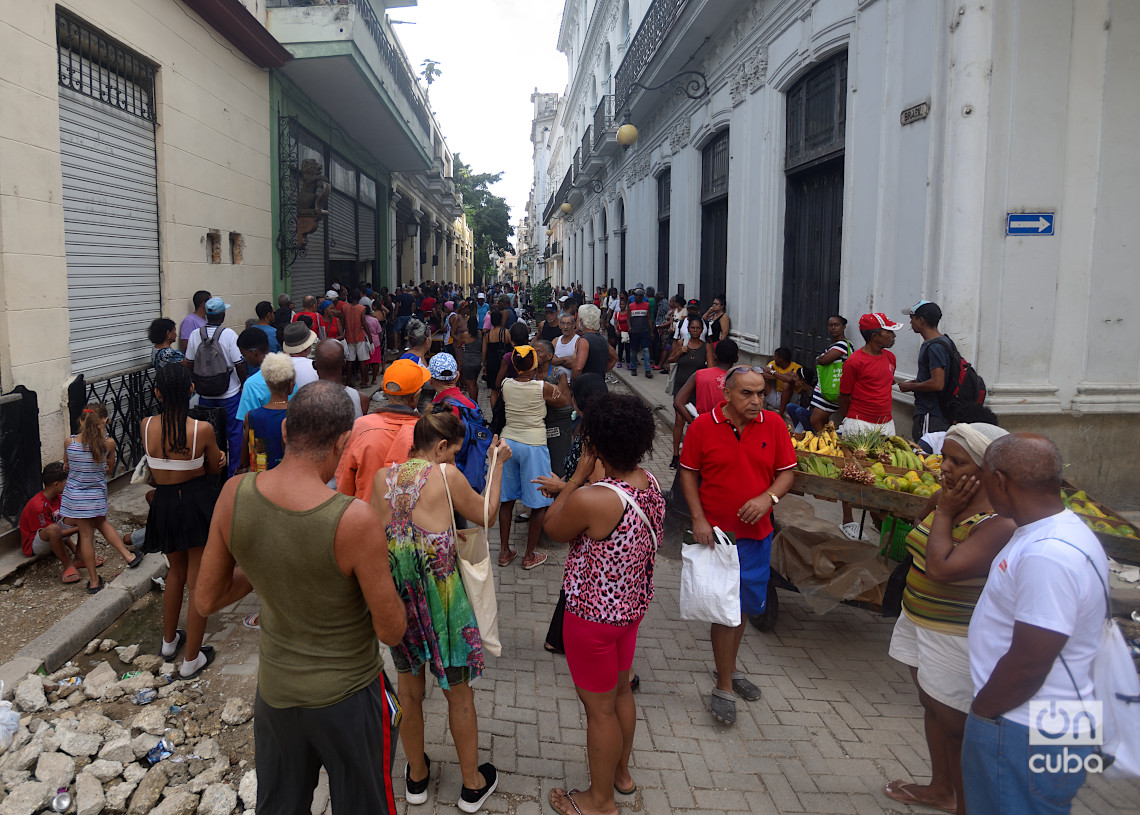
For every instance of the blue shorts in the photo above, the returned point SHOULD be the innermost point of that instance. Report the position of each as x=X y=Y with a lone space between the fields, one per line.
x=755 y=567
x=527 y=462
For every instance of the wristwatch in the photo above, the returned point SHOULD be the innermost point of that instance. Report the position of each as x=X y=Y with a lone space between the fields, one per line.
x=775 y=500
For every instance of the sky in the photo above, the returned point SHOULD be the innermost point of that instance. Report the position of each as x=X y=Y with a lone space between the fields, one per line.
x=493 y=54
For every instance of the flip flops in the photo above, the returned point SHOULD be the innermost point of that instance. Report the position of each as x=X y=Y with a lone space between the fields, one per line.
x=505 y=558
x=134 y=564
x=539 y=559
x=564 y=795
x=96 y=589
x=71 y=575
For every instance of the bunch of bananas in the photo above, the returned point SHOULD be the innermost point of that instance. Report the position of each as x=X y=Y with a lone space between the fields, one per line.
x=906 y=459
x=826 y=443
x=815 y=465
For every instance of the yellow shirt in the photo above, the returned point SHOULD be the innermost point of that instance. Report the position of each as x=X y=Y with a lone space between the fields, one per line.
x=791 y=369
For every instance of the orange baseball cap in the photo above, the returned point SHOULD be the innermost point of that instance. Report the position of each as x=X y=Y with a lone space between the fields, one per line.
x=405 y=377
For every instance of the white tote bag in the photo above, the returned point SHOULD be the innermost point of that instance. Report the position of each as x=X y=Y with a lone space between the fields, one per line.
x=710 y=582
x=474 y=556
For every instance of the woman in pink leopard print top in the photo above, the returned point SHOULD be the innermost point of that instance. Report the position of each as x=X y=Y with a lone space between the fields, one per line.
x=613 y=526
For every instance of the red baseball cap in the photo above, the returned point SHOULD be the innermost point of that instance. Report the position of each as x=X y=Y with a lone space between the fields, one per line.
x=873 y=322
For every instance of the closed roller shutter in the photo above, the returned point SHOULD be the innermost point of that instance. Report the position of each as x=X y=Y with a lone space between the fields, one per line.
x=110 y=216
x=342 y=221
x=367 y=233
x=308 y=272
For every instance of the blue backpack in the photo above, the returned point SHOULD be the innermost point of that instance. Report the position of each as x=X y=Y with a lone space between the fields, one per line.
x=472 y=457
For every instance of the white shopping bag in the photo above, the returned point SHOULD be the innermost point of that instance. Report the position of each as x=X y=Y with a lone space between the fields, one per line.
x=1118 y=688
x=710 y=582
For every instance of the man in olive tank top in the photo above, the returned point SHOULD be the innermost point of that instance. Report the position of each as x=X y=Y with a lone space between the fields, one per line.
x=318 y=561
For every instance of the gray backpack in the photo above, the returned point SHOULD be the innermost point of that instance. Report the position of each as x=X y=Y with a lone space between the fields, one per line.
x=211 y=374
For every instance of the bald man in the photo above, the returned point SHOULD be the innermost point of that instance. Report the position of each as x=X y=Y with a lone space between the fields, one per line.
x=328 y=362
x=1033 y=637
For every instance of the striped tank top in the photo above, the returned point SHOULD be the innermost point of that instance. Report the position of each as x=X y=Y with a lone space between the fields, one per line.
x=944 y=607
x=85 y=493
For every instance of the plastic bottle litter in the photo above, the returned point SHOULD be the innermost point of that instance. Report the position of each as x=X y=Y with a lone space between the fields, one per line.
x=163 y=750
x=71 y=682
x=129 y=675
x=61 y=801
x=144 y=696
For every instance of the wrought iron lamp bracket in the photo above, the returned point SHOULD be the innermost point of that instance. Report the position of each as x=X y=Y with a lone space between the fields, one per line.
x=695 y=87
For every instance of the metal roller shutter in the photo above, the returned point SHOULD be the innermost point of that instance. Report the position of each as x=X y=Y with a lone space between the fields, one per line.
x=308 y=272
x=367 y=233
x=110 y=216
x=342 y=222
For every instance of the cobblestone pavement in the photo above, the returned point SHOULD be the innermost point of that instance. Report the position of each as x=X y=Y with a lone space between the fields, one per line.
x=838 y=718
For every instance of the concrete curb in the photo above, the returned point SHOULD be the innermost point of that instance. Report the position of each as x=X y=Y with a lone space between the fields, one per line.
x=67 y=637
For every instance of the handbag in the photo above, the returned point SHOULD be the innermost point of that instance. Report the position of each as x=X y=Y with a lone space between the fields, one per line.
x=474 y=555
x=1117 y=687
x=141 y=474
x=710 y=581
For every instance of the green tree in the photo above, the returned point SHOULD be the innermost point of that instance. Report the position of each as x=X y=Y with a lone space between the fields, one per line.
x=487 y=214
x=430 y=73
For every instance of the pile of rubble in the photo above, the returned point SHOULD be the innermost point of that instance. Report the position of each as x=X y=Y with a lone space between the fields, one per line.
x=159 y=757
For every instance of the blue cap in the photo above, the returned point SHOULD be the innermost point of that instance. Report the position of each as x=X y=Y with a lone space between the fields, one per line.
x=443 y=367
x=216 y=306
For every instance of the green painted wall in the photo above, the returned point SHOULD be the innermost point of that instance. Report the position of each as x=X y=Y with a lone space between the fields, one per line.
x=286 y=99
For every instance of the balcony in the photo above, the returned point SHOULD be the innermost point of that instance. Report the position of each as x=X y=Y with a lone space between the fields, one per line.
x=605 y=128
x=347 y=61
x=548 y=213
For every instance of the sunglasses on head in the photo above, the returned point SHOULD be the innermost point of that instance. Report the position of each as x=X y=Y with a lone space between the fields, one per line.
x=743 y=369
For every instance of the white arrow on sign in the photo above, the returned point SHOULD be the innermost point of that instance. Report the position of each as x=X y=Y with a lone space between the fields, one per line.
x=1027 y=222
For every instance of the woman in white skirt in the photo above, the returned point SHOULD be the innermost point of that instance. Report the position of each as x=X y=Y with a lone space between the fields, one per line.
x=953 y=544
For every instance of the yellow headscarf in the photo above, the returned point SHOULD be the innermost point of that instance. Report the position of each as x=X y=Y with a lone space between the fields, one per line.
x=524 y=351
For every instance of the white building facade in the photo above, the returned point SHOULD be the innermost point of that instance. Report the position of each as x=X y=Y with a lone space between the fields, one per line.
x=859 y=155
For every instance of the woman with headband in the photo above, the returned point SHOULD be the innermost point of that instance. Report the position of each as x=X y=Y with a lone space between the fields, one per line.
x=525 y=398
x=954 y=541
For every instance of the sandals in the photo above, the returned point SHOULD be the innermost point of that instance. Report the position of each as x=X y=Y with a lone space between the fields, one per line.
x=897 y=791
x=539 y=559
x=179 y=641
x=208 y=650
x=506 y=557
x=71 y=575
x=96 y=589
x=557 y=795
x=134 y=564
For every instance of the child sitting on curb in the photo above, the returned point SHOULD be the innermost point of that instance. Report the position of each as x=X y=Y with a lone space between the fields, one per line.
x=42 y=531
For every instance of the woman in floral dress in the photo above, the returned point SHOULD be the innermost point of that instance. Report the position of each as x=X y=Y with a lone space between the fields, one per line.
x=442 y=633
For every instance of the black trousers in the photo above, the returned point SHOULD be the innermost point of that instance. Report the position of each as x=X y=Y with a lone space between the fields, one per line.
x=354 y=741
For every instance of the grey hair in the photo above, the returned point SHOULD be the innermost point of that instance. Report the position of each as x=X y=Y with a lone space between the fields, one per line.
x=589 y=316
x=417 y=332
x=544 y=345
x=1029 y=461
x=318 y=414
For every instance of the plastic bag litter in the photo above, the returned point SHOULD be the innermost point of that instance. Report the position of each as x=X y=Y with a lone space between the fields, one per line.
x=828 y=568
x=9 y=722
x=710 y=582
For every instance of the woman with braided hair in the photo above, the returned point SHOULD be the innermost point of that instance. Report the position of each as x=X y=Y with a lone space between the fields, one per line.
x=184 y=457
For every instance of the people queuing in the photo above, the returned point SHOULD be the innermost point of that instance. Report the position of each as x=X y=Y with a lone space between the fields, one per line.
x=1003 y=581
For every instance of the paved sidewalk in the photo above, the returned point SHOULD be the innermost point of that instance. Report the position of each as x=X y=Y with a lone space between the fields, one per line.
x=838 y=718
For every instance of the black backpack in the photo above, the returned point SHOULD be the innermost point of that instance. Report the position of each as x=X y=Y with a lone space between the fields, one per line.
x=964 y=385
x=211 y=373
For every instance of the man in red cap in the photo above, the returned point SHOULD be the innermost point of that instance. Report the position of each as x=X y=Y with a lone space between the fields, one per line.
x=384 y=436
x=865 y=398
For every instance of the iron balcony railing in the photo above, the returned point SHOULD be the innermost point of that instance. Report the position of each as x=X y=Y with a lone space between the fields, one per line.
x=603 y=119
x=577 y=163
x=389 y=52
x=546 y=213
x=652 y=32
x=567 y=183
x=587 y=143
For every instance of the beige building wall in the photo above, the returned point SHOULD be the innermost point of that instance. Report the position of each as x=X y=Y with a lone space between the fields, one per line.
x=213 y=174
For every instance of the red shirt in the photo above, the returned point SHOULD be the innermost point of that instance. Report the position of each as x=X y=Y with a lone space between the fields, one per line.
x=868 y=380
x=38 y=513
x=708 y=388
x=736 y=470
x=427 y=304
x=318 y=321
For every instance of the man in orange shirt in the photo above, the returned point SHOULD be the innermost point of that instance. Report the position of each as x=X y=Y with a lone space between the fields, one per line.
x=384 y=436
x=355 y=336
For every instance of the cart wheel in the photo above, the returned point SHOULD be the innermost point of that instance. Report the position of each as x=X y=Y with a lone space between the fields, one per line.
x=767 y=620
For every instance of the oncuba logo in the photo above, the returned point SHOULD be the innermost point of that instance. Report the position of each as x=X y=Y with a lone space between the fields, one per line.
x=1065 y=723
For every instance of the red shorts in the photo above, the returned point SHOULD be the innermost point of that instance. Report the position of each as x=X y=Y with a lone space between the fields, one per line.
x=597 y=652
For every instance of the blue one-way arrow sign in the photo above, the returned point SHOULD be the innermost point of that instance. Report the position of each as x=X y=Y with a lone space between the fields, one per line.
x=1029 y=223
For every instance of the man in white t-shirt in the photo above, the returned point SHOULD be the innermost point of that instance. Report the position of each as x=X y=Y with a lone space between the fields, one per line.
x=566 y=345
x=228 y=400
x=1033 y=637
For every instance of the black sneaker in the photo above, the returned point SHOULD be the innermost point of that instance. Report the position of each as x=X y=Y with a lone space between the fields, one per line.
x=634 y=372
x=649 y=374
x=472 y=800
x=417 y=790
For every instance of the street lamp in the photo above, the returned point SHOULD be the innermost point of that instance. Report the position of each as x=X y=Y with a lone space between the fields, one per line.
x=696 y=86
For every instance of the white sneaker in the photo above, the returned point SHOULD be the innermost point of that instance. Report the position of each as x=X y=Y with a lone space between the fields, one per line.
x=851 y=530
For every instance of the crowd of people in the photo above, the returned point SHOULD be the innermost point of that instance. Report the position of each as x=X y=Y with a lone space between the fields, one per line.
x=354 y=502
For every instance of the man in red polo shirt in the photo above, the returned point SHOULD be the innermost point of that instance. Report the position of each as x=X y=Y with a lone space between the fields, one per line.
x=737 y=463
